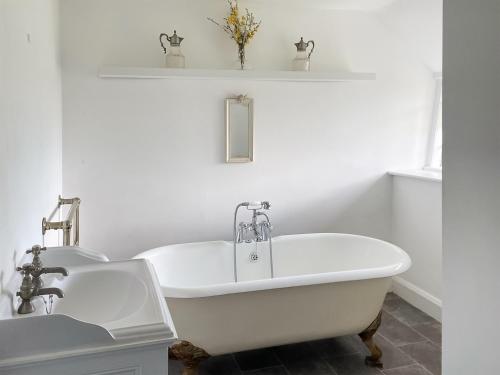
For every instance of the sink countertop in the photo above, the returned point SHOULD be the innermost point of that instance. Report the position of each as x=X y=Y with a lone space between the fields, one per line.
x=107 y=306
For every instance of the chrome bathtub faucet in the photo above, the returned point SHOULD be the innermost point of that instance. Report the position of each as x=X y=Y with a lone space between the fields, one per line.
x=32 y=283
x=253 y=231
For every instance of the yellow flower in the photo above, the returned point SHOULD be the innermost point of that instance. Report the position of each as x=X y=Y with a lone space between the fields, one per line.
x=233 y=17
x=240 y=28
x=232 y=20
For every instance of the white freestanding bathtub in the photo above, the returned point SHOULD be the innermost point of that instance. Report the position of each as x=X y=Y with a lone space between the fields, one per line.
x=324 y=285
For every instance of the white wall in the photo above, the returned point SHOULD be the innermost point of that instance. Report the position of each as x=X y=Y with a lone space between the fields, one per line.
x=417 y=228
x=418 y=26
x=147 y=156
x=30 y=124
x=471 y=186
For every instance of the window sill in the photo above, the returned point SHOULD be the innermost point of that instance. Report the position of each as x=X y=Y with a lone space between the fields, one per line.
x=419 y=174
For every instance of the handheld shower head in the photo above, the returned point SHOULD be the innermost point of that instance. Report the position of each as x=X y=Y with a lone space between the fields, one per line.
x=255 y=205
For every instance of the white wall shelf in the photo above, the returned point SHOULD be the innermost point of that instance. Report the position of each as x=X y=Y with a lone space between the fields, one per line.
x=255 y=75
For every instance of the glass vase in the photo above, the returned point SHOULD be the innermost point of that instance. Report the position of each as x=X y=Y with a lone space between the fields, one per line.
x=242 y=63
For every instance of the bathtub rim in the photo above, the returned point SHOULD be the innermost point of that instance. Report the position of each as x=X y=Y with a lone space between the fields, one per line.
x=210 y=290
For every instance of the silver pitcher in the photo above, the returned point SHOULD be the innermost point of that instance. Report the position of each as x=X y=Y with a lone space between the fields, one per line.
x=302 y=61
x=174 y=58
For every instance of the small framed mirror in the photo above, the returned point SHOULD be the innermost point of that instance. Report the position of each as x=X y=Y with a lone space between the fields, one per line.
x=239 y=129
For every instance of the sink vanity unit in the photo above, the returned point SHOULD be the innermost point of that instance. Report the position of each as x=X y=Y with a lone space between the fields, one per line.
x=111 y=320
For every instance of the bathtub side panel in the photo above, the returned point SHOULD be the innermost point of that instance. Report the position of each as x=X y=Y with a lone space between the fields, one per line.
x=235 y=322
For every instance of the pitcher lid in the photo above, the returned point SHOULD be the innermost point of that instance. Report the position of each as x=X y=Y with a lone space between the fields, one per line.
x=301 y=45
x=175 y=40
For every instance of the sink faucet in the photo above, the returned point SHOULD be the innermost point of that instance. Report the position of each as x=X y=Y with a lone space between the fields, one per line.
x=28 y=290
x=37 y=268
x=31 y=285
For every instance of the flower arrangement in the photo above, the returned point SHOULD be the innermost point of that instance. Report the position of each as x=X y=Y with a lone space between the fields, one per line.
x=241 y=28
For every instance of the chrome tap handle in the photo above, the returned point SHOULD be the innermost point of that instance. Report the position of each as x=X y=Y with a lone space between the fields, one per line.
x=239 y=233
x=244 y=230
x=21 y=269
x=31 y=274
x=263 y=231
x=36 y=250
x=26 y=268
x=27 y=287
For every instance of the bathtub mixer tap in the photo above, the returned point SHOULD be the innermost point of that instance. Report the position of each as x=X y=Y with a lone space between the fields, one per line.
x=31 y=285
x=254 y=231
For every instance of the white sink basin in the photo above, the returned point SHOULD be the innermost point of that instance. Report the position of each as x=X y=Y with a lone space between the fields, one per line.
x=105 y=304
x=112 y=295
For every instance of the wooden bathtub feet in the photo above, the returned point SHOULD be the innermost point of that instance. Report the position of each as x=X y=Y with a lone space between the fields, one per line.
x=190 y=356
x=372 y=360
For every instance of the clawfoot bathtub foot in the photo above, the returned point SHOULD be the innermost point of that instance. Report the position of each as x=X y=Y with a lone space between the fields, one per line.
x=372 y=360
x=190 y=356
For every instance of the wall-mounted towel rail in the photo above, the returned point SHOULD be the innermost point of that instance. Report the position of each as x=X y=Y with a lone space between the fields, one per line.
x=73 y=217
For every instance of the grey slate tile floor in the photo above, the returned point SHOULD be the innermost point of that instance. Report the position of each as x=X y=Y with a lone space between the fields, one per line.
x=409 y=339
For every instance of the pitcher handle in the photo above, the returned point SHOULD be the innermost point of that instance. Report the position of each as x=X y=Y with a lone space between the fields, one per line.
x=161 y=41
x=312 y=49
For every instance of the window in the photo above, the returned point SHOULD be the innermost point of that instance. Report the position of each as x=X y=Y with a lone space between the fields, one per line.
x=435 y=149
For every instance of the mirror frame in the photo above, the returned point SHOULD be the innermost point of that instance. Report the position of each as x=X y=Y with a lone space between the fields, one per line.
x=241 y=99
